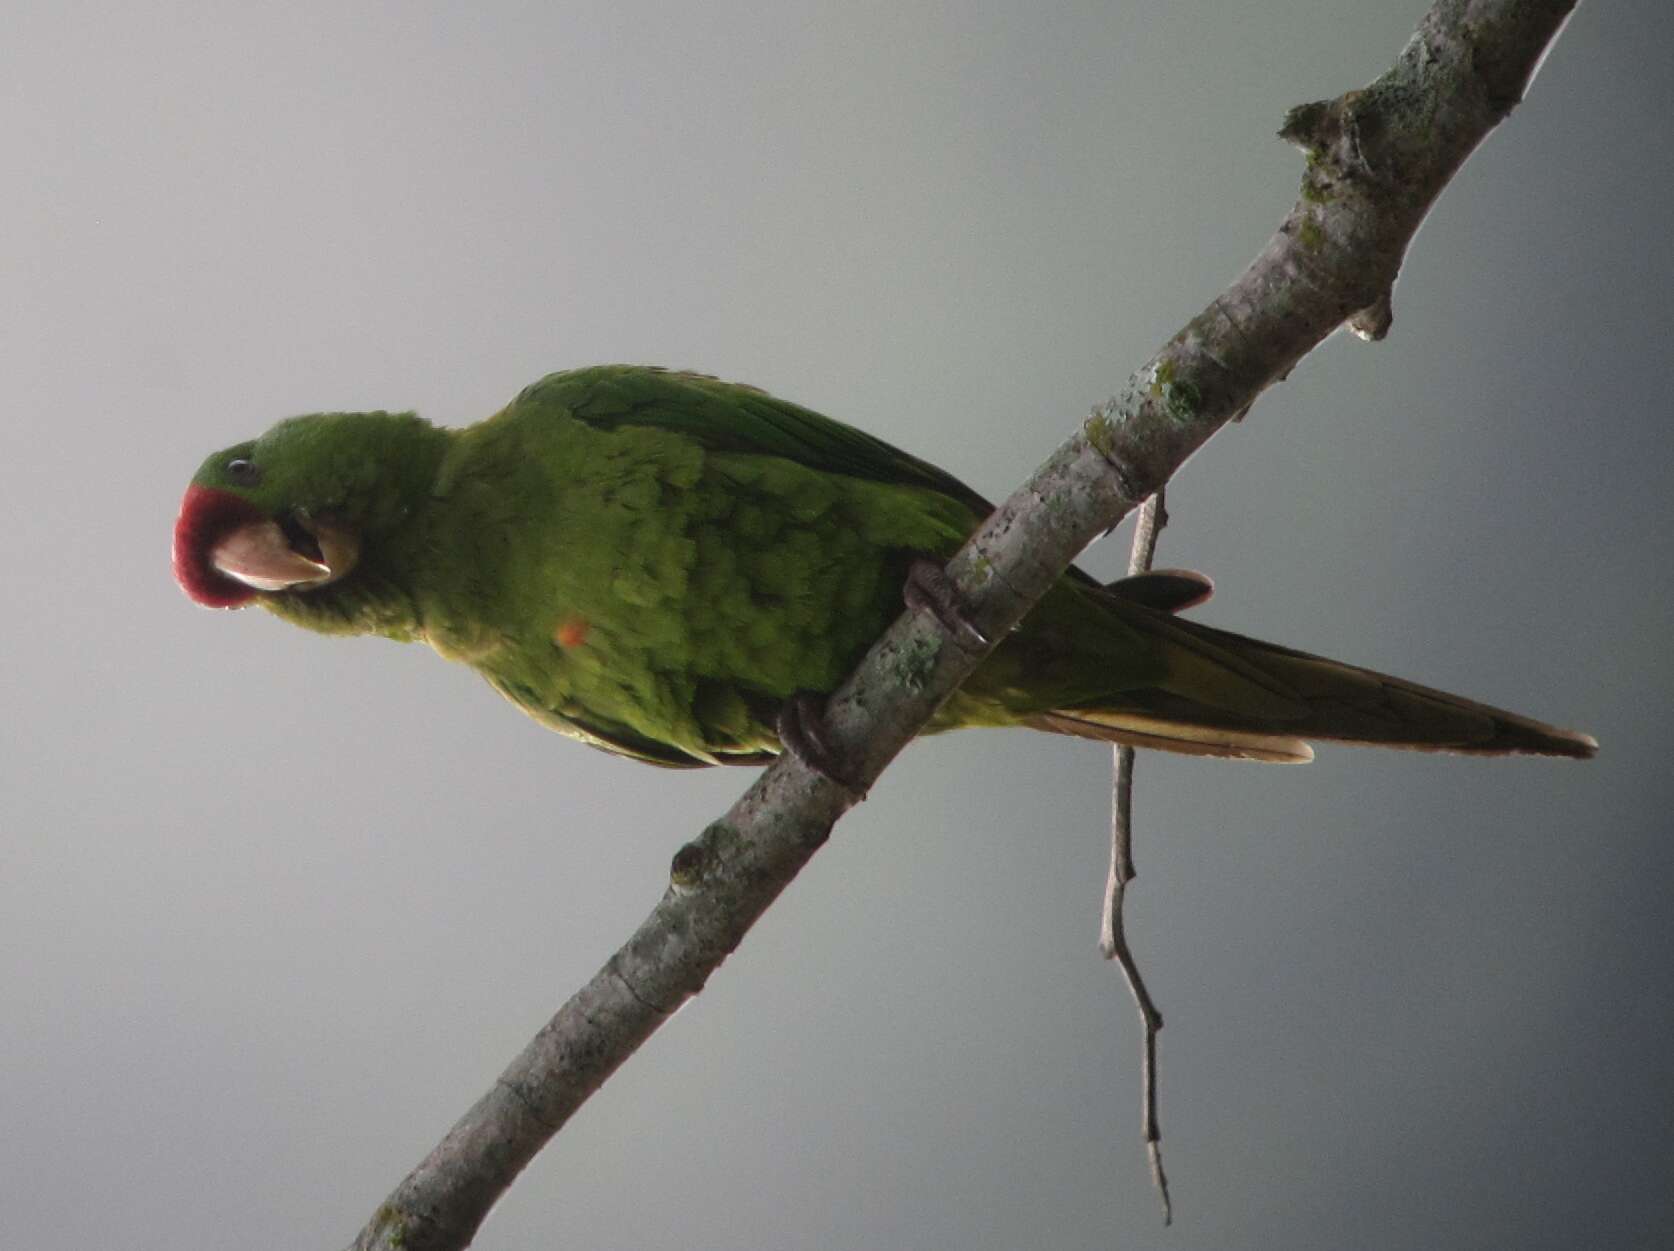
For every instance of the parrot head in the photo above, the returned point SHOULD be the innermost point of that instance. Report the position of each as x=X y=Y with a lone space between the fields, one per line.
x=291 y=511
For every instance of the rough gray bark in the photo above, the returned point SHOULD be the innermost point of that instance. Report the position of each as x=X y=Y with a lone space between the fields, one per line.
x=1377 y=159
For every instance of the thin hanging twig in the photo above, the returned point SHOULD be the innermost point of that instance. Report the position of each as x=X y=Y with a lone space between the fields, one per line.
x=1113 y=939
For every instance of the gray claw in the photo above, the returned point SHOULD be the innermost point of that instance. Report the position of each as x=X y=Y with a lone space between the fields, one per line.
x=929 y=589
x=802 y=731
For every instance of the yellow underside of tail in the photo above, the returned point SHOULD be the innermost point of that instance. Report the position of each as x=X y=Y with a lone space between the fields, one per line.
x=1138 y=730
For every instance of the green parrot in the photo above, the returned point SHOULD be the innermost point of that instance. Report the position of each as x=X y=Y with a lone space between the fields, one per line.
x=678 y=569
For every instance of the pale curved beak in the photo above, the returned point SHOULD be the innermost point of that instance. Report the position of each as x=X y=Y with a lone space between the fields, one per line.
x=260 y=555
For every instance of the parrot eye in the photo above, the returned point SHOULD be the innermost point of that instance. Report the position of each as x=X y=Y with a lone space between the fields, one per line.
x=243 y=472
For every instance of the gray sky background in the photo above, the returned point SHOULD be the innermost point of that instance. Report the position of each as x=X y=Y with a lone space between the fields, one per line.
x=275 y=908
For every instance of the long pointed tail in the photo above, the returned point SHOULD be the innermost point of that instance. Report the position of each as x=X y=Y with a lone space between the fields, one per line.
x=1228 y=695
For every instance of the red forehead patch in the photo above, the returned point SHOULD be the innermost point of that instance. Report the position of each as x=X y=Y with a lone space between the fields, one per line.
x=206 y=515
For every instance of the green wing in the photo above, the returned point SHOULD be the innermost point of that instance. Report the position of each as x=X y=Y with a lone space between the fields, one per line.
x=611 y=736
x=736 y=417
x=732 y=417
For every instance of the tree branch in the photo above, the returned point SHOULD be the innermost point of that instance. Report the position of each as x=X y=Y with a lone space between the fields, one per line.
x=1377 y=159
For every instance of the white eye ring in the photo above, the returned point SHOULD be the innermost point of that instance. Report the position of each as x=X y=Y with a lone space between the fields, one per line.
x=244 y=472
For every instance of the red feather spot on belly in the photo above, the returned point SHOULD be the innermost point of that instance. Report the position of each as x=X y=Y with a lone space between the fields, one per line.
x=571 y=632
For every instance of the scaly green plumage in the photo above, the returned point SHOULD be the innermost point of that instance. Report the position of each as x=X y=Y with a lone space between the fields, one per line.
x=655 y=562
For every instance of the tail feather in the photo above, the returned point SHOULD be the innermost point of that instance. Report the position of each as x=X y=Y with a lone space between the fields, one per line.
x=1138 y=730
x=1207 y=705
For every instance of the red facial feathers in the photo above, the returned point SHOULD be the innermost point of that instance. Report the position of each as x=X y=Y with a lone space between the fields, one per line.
x=206 y=515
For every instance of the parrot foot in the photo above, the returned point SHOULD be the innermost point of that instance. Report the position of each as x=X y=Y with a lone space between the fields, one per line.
x=802 y=731
x=929 y=589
